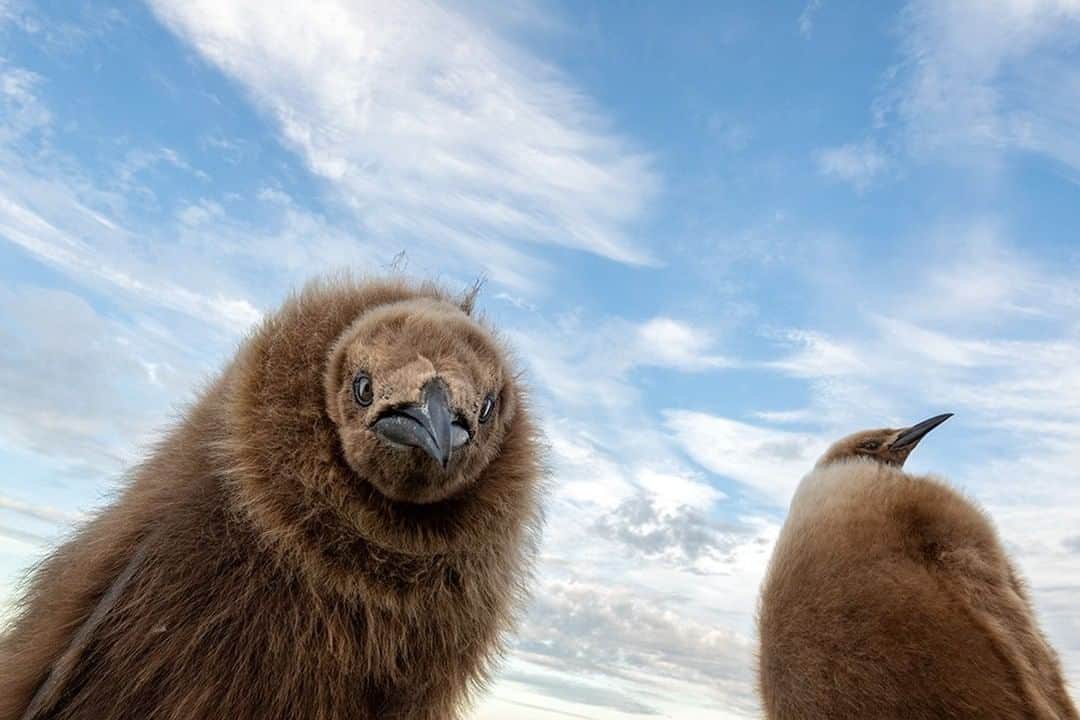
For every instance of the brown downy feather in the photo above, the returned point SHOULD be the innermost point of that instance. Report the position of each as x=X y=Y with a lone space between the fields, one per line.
x=889 y=596
x=285 y=560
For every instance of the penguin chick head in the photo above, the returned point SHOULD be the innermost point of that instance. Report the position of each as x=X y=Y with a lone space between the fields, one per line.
x=890 y=446
x=419 y=393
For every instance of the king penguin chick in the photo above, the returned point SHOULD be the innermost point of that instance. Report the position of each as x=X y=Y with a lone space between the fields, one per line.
x=889 y=596
x=340 y=527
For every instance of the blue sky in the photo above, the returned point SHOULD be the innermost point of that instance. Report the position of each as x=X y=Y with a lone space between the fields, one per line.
x=719 y=237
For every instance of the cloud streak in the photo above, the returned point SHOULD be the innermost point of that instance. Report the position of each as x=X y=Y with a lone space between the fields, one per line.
x=859 y=164
x=976 y=81
x=432 y=126
x=768 y=460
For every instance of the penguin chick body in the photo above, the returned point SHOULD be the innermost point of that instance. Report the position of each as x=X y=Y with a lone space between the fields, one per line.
x=889 y=596
x=340 y=527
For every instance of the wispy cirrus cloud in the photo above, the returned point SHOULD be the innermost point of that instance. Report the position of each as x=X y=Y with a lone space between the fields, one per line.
x=58 y=212
x=432 y=127
x=36 y=235
x=768 y=460
x=807 y=17
x=970 y=80
x=45 y=521
x=44 y=513
x=592 y=359
x=666 y=342
x=971 y=86
x=859 y=164
x=22 y=109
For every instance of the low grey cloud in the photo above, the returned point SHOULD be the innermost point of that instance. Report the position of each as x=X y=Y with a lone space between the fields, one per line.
x=682 y=534
x=566 y=689
x=637 y=637
x=24 y=536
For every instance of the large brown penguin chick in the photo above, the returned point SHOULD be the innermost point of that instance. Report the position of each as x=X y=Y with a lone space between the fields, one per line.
x=341 y=527
x=889 y=596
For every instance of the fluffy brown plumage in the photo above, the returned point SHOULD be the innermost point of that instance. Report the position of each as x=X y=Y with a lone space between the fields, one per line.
x=305 y=544
x=890 y=597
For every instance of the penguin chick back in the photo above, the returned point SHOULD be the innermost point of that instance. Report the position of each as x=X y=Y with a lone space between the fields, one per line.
x=889 y=596
x=341 y=527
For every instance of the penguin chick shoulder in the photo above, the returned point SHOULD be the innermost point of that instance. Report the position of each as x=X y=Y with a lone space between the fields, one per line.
x=341 y=527
x=889 y=596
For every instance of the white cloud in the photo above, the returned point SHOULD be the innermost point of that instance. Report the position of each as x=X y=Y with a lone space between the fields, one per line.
x=22 y=111
x=818 y=355
x=24 y=537
x=768 y=460
x=52 y=211
x=44 y=513
x=781 y=417
x=70 y=383
x=671 y=489
x=665 y=342
x=978 y=325
x=986 y=331
x=856 y=163
x=37 y=236
x=587 y=471
x=598 y=631
x=985 y=79
x=981 y=279
x=34 y=525
x=431 y=125
x=138 y=161
x=806 y=18
x=586 y=362
x=629 y=519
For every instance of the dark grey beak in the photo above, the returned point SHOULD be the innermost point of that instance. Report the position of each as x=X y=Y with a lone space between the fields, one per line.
x=911 y=437
x=427 y=425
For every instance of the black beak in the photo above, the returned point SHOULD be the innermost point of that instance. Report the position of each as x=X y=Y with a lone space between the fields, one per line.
x=911 y=437
x=428 y=425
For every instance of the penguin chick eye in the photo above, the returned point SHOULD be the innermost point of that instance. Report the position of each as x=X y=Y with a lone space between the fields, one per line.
x=362 y=389
x=870 y=445
x=487 y=408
